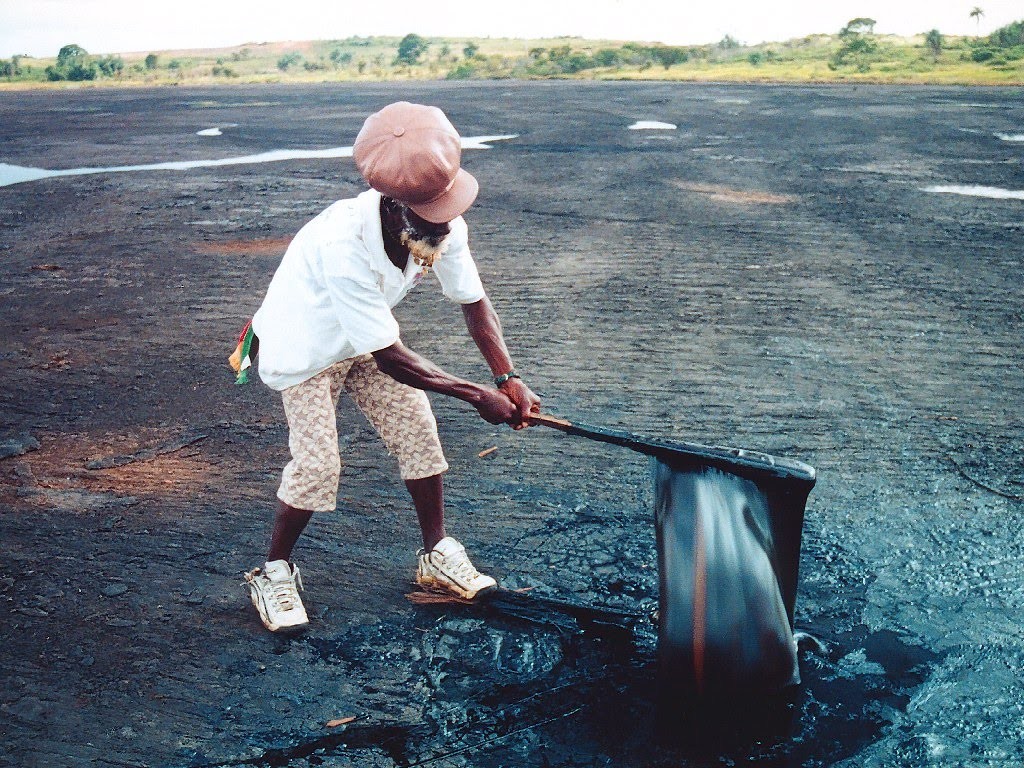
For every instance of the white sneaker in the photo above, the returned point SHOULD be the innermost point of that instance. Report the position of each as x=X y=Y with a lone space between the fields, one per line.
x=274 y=593
x=448 y=567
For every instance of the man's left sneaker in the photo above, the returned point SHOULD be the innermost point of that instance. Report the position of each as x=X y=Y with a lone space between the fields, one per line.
x=447 y=566
x=275 y=593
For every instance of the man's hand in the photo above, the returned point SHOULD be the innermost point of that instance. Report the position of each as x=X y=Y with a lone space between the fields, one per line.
x=495 y=407
x=525 y=400
x=485 y=328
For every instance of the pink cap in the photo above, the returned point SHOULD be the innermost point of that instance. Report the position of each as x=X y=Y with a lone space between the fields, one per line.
x=412 y=153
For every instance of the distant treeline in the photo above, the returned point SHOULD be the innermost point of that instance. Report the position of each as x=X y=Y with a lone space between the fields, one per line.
x=854 y=51
x=565 y=60
x=1010 y=36
x=73 y=63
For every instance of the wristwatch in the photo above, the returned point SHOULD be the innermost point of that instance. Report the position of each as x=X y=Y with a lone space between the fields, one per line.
x=499 y=380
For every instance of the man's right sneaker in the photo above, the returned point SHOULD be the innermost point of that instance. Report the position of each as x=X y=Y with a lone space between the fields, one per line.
x=447 y=566
x=275 y=593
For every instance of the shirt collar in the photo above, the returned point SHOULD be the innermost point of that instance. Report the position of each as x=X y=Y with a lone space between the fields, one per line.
x=373 y=236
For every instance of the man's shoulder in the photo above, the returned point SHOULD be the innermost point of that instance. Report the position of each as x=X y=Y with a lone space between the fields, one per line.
x=340 y=211
x=339 y=221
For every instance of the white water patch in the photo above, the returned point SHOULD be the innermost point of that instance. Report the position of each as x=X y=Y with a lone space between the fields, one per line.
x=974 y=190
x=1011 y=136
x=16 y=174
x=217 y=130
x=483 y=142
x=651 y=125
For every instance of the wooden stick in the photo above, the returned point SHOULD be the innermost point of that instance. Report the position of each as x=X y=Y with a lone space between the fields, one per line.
x=547 y=420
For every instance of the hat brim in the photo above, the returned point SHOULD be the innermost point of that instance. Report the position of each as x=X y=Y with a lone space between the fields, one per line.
x=451 y=204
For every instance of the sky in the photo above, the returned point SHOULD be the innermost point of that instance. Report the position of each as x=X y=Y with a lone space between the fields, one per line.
x=41 y=27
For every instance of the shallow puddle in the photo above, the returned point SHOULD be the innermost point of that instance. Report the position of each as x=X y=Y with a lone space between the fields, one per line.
x=974 y=190
x=651 y=125
x=17 y=174
x=217 y=130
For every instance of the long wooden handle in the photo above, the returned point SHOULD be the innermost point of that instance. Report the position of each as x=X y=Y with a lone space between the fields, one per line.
x=547 y=420
x=737 y=461
x=585 y=430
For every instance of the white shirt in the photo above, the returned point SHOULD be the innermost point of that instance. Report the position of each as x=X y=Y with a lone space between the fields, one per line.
x=332 y=295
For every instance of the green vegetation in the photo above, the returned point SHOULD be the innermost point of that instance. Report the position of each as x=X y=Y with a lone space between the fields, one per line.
x=411 y=49
x=976 y=14
x=853 y=54
x=1010 y=36
x=289 y=60
x=1003 y=50
x=858 y=46
x=73 y=63
x=110 y=66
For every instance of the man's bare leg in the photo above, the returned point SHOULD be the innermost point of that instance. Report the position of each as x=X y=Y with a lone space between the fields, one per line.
x=428 y=497
x=274 y=588
x=289 y=523
x=444 y=562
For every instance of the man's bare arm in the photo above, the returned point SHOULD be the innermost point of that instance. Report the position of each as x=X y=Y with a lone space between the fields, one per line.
x=402 y=364
x=485 y=328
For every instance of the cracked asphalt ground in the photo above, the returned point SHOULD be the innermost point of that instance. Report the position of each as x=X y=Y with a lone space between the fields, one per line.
x=773 y=274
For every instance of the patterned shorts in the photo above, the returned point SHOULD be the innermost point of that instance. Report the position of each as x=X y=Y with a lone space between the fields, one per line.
x=401 y=415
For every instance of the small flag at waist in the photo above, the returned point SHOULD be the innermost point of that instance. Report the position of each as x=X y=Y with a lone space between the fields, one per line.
x=247 y=349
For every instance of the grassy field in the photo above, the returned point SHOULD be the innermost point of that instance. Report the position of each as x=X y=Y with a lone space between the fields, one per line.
x=846 y=57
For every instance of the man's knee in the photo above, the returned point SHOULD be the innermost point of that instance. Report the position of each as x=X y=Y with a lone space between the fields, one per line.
x=311 y=482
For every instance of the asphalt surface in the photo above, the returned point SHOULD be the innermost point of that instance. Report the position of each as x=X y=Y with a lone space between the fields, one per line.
x=772 y=274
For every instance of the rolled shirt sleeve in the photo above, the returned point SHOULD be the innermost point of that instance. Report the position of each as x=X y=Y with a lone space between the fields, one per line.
x=456 y=270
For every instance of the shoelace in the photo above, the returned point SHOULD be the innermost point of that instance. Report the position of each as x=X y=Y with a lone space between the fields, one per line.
x=284 y=594
x=460 y=566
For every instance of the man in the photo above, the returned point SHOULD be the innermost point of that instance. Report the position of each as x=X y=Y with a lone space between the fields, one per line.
x=326 y=325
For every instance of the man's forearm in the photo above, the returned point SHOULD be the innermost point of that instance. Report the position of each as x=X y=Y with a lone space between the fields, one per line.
x=402 y=364
x=485 y=329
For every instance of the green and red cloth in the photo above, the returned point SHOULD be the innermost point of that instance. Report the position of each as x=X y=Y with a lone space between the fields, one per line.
x=247 y=349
